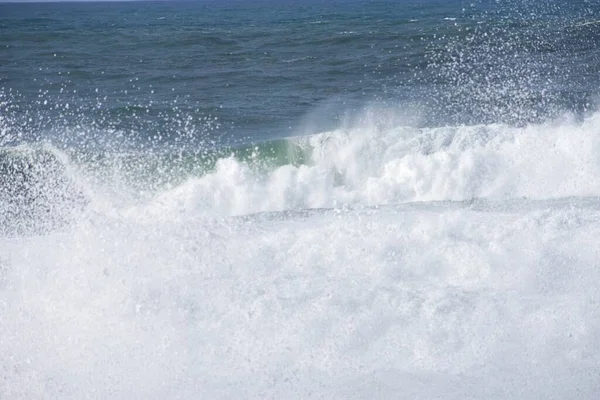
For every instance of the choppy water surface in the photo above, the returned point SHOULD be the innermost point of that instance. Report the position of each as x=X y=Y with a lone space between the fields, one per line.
x=298 y=200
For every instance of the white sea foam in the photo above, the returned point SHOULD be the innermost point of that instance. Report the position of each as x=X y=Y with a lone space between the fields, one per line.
x=190 y=295
x=377 y=162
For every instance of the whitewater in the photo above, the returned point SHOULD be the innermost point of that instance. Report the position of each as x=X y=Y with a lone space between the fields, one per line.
x=395 y=261
x=300 y=200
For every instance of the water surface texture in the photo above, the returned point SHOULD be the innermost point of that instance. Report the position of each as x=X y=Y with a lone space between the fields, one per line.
x=285 y=199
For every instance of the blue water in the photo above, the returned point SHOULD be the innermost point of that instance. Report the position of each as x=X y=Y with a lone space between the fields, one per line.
x=300 y=199
x=145 y=68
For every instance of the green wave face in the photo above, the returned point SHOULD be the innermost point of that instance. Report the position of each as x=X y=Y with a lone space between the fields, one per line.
x=153 y=171
x=41 y=186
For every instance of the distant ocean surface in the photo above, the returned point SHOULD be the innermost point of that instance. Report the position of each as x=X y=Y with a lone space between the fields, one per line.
x=300 y=199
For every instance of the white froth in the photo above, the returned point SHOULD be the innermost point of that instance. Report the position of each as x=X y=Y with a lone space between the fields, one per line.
x=374 y=163
x=424 y=301
x=190 y=295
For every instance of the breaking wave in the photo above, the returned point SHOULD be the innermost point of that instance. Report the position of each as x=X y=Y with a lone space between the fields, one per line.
x=374 y=161
x=362 y=262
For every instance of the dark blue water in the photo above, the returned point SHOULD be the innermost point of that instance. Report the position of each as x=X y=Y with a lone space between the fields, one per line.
x=171 y=72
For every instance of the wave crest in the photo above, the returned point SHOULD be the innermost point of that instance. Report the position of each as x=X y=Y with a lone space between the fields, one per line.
x=372 y=162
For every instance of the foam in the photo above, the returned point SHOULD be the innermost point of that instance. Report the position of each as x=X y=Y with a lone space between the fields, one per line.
x=455 y=262
x=422 y=301
x=374 y=161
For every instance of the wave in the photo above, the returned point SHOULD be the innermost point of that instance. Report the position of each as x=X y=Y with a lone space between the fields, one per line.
x=448 y=254
x=439 y=299
x=370 y=160
x=375 y=161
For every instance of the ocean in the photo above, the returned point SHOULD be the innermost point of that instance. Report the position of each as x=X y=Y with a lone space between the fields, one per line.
x=345 y=199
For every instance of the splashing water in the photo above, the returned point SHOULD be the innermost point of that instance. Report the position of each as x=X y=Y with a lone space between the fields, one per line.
x=373 y=271
x=438 y=242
